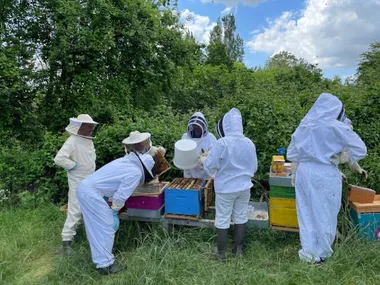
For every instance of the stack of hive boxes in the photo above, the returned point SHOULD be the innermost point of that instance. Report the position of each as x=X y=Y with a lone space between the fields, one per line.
x=282 y=202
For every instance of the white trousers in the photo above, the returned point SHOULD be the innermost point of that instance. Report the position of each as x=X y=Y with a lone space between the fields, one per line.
x=74 y=214
x=233 y=205
x=318 y=200
x=98 y=221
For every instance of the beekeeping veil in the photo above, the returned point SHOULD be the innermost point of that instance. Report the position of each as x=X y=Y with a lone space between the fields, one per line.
x=83 y=126
x=197 y=127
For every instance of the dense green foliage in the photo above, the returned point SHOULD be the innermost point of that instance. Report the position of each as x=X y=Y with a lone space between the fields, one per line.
x=131 y=66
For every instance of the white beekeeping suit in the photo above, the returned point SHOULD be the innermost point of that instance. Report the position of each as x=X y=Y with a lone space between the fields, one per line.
x=343 y=158
x=77 y=157
x=118 y=180
x=320 y=136
x=197 y=130
x=232 y=162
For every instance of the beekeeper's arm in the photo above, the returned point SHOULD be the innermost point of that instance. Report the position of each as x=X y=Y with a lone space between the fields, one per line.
x=127 y=186
x=255 y=158
x=212 y=162
x=355 y=149
x=63 y=159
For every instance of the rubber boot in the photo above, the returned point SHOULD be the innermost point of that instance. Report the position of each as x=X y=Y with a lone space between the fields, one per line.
x=221 y=244
x=67 y=250
x=239 y=234
x=112 y=269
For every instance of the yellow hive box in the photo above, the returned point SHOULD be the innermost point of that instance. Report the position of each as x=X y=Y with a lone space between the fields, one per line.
x=283 y=213
x=278 y=162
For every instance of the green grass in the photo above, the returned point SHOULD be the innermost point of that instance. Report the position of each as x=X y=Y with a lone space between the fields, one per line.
x=29 y=240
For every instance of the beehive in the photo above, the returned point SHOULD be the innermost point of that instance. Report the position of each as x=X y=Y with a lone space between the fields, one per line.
x=185 y=196
x=147 y=197
x=366 y=216
x=282 y=203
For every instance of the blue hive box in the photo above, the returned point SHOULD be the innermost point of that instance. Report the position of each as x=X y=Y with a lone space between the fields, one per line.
x=185 y=196
x=366 y=216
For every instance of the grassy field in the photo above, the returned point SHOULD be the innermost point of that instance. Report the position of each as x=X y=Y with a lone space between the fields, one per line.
x=29 y=240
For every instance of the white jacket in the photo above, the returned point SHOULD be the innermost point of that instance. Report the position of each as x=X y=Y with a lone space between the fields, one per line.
x=77 y=150
x=321 y=136
x=232 y=160
x=120 y=177
x=202 y=143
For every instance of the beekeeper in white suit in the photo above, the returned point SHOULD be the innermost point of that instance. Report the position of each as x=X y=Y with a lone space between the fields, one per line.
x=232 y=162
x=197 y=131
x=320 y=136
x=77 y=157
x=118 y=180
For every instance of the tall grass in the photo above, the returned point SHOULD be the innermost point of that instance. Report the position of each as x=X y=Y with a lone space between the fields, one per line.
x=29 y=240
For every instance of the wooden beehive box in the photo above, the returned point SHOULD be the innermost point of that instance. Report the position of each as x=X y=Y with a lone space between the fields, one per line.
x=185 y=196
x=366 y=216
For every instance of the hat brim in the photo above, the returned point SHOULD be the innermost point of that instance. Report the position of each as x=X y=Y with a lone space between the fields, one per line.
x=142 y=137
x=83 y=121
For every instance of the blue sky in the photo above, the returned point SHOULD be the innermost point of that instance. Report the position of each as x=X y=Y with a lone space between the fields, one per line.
x=332 y=33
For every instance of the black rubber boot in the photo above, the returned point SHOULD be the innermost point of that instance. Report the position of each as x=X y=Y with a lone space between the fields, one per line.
x=112 y=269
x=239 y=234
x=221 y=244
x=67 y=250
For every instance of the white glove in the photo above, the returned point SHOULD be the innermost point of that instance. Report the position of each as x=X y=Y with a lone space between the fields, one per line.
x=201 y=160
x=154 y=149
x=355 y=167
x=162 y=150
x=343 y=157
x=202 y=157
x=294 y=171
x=116 y=207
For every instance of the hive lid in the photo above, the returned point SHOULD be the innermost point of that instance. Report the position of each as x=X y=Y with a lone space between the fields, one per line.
x=360 y=194
x=373 y=207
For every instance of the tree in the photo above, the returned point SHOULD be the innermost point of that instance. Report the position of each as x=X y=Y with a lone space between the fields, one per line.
x=225 y=46
x=17 y=89
x=369 y=67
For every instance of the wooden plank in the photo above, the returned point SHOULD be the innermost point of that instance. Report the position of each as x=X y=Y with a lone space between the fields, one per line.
x=366 y=207
x=286 y=229
x=182 y=217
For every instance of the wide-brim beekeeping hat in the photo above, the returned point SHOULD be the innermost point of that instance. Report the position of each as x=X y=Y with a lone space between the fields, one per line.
x=83 y=126
x=136 y=137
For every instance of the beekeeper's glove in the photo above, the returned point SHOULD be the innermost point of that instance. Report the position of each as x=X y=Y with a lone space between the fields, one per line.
x=340 y=158
x=154 y=149
x=294 y=171
x=201 y=160
x=115 y=210
x=162 y=150
x=355 y=167
x=74 y=167
x=202 y=157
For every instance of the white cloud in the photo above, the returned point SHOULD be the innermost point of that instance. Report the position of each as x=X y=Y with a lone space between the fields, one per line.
x=199 y=26
x=332 y=33
x=232 y=3
x=227 y=11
